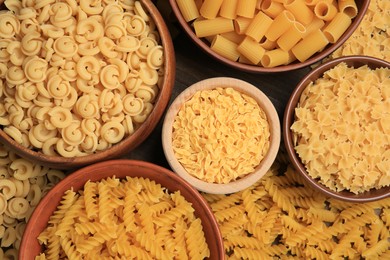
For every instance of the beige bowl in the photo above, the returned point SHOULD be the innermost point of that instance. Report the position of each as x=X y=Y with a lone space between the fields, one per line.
x=260 y=170
x=130 y=142
x=288 y=120
x=30 y=247
x=204 y=45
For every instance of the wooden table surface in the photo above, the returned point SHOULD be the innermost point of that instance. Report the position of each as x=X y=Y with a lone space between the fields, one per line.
x=192 y=65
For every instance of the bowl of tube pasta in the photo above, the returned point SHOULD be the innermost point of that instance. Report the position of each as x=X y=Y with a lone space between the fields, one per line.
x=336 y=128
x=82 y=82
x=269 y=36
x=122 y=209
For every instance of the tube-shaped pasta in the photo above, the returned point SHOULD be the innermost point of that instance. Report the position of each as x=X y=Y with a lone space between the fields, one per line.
x=280 y=25
x=276 y=57
x=337 y=27
x=316 y=24
x=309 y=45
x=291 y=37
x=210 y=8
x=188 y=9
x=259 y=26
x=225 y=48
x=228 y=9
x=246 y=8
x=348 y=7
x=300 y=10
x=215 y=26
x=233 y=36
x=267 y=44
x=272 y=8
x=312 y=2
x=325 y=10
x=241 y=24
x=251 y=50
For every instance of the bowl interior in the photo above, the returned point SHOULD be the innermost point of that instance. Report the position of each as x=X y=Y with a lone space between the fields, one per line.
x=243 y=87
x=120 y=168
x=288 y=120
x=128 y=143
x=362 y=6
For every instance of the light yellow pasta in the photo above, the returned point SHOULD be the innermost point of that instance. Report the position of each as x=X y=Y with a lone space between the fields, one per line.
x=325 y=10
x=64 y=58
x=276 y=57
x=241 y=24
x=208 y=115
x=348 y=7
x=290 y=38
x=99 y=217
x=272 y=8
x=338 y=170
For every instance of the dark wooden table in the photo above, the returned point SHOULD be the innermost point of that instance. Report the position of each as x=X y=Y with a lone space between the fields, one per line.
x=194 y=65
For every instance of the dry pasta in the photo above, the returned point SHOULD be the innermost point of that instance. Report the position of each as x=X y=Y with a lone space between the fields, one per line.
x=217 y=142
x=371 y=37
x=74 y=63
x=341 y=128
x=272 y=220
x=22 y=185
x=315 y=24
x=126 y=218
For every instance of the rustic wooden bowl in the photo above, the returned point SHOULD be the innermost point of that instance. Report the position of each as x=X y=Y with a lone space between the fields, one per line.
x=30 y=247
x=128 y=143
x=205 y=46
x=288 y=120
x=260 y=170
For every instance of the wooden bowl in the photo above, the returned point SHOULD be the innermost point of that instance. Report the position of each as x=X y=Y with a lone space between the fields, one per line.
x=30 y=247
x=266 y=162
x=130 y=142
x=288 y=120
x=362 y=6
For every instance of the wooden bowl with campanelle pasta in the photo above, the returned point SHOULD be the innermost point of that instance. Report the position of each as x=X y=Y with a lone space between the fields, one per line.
x=221 y=135
x=122 y=169
x=228 y=37
x=351 y=135
x=120 y=85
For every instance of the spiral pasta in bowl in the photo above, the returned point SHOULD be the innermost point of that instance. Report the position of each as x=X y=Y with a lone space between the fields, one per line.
x=269 y=35
x=143 y=211
x=336 y=128
x=82 y=81
x=221 y=135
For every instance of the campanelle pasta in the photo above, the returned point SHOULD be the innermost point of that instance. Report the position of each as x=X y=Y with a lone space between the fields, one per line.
x=66 y=63
x=267 y=21
x=129 y=218
x=217 y=142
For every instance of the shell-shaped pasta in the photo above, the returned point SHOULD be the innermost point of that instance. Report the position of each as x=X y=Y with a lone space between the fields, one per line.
x=35 y=69
x=91 y=7
x=132 y=105
x=8 y=188
x=17 y=207
x=9 y=25
x=146 y=45
x=113 y=132
x=87 y=67
x=16 y=55
x=60 y=117
x=128 y=43
x=72 y=134
x=60 y=14
x=155 y=57
x=148 y=75
x=23 y=169
x=135 y=25
x=90 y=29
x=86 y=107
x=15 y=75
x=31 y=43
x=107 y=47
x=114 y=30
x=65 y=46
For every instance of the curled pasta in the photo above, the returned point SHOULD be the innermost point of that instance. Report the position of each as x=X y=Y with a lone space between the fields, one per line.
x=35 y=69
x=9 y=25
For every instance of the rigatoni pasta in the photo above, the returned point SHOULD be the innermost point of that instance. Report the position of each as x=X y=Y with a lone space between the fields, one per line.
x=267 y=21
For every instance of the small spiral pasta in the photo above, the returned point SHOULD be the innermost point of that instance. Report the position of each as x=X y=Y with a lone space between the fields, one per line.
x=9 y=25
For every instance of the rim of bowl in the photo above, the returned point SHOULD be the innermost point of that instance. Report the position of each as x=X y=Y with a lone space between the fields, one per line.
x=119 y=168
x=362 y=8
x=246 y=88
x=288 y=119
x=130 y=142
